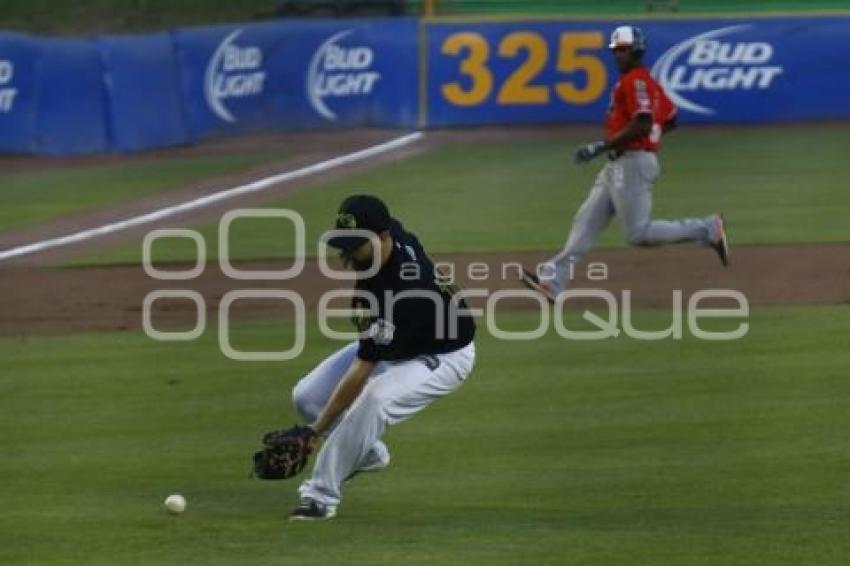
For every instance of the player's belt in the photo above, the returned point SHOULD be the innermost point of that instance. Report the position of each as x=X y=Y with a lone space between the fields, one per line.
x=615 y=154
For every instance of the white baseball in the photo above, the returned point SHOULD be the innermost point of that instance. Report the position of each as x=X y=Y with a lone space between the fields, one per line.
x=175 y=503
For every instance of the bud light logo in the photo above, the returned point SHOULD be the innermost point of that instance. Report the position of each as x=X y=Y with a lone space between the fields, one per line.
x=338 y=71
x=707 y=63
x=7 y=91
x=233 y=72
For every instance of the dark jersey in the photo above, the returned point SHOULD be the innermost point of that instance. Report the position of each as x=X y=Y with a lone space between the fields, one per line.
x=412 y=313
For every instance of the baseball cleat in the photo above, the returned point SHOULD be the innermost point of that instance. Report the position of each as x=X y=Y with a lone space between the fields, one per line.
x=534 y=283
x=376 y=460
x=719 y=240
x=311 y=510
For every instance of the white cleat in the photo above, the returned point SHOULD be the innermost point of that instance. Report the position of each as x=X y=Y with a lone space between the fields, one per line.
x=376 y=460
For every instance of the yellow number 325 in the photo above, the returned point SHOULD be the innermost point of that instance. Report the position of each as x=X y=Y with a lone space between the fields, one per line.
x=519 y=87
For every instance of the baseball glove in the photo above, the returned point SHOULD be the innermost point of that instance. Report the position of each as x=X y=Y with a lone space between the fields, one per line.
x=284 y=453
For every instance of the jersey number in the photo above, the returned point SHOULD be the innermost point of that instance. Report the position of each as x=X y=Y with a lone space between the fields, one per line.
x=655 y=134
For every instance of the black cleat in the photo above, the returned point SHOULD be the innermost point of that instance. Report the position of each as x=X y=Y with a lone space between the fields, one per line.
x=534 y=283
x=719 y=240
x=311 y=510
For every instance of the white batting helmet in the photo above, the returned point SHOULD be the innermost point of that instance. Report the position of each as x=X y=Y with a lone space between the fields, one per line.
x=628 y=36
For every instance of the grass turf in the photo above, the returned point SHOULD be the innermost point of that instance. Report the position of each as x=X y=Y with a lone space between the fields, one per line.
x=121 y=16
x=32 y=197
x=674 y=452
x=118 y=16
x=506 y=196
x=610 y=8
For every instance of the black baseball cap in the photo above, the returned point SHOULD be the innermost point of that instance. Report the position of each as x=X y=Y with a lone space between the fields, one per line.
x=359 y=212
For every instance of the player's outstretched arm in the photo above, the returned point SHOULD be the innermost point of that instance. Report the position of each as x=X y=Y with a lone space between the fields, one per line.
x=348 y=389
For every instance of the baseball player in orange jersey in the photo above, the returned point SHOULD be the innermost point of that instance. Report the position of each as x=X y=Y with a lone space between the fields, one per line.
x=638 y=114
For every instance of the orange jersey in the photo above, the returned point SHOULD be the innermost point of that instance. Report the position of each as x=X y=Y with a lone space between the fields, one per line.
x=637 y=93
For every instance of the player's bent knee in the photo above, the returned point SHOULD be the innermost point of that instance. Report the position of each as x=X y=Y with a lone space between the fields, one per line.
x=306 y=404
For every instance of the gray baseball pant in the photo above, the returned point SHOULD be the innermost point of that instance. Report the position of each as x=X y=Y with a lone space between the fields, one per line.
x=624 y=188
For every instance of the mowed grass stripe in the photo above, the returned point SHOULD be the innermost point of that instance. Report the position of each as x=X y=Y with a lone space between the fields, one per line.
x=507 y=196
x=33 y=197
x=554 y=452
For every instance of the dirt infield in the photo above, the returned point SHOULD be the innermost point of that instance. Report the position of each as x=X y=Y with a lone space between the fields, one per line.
x=55 y=300
x=36 y=298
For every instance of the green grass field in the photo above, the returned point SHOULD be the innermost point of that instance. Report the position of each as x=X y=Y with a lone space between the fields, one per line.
x=629 y=8
x=33 y=197
x=554 y=452
x=522 y=196
x=121 y=16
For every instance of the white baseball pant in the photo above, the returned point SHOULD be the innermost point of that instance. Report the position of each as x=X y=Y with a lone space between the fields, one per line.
x=395 y=392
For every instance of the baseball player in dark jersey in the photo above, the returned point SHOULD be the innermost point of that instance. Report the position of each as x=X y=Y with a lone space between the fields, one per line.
x=416 y=345
x=639 y=113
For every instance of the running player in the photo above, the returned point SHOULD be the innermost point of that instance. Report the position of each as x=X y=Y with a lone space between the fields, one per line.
x=638 y=114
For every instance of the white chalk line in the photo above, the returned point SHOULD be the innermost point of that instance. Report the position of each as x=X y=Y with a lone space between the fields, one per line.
x=252 y=187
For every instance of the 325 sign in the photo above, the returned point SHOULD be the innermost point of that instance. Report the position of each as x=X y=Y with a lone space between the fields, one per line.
x=522 y=67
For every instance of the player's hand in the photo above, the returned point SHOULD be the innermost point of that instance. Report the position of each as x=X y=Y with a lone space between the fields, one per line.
x=312 y=439
x=588 y=151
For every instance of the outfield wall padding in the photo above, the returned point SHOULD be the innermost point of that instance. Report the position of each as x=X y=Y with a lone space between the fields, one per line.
x=136 y=92
x=143 y=108
x=755 y=70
